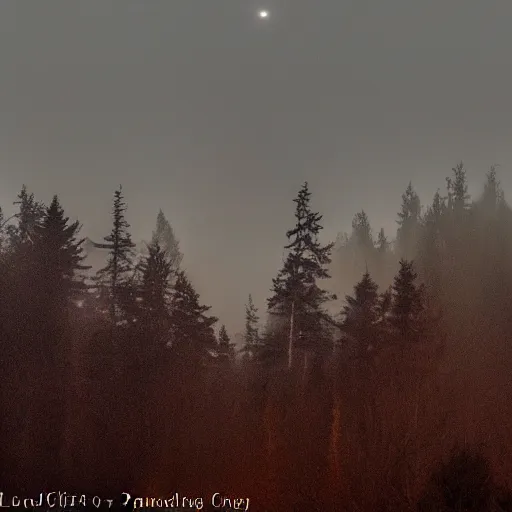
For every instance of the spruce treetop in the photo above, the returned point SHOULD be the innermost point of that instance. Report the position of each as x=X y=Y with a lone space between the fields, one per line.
x=192 y=327
x=408 y=299
x=155 y=275
x=295 y=286
x=458 y=197
x=165 y=237
x=492 y=197
x=361 y=313
x=119 y=241
x=361 y=231
x=408 y=222
x=251 y=323
x=436 y=210
x=223 y=335
x=363 y=304
x=30 y=215
x=304 y=236
x=411 y=206
x=115 y=278
x=382 y=242
x=58 y=251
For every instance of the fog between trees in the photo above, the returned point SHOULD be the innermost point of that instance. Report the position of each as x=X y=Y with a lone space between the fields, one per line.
x=122 y=381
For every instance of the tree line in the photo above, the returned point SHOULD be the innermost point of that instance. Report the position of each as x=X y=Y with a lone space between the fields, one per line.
x=117 y=380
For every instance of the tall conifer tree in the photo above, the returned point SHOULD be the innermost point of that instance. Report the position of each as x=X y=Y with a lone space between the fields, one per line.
x=114 y=278
x=155 y=290
x=408 y=223
x=361 y=313
x=192 y=329
x=29 y=216
x=59 y=256
x=382 y=242
x=55 y=274
x=251 y=324
x=458 y=197
x=165 y=237
x=432 y=245
x=360 y=247
x=408 y=309
x=225 y=348
x=2 y=230
x=297 y=298
x=361 y=237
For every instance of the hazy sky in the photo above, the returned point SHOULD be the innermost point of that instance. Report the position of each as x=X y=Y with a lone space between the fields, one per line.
x=217 y=117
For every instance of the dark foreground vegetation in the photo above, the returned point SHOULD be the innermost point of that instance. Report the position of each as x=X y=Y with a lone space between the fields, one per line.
x=115 y=381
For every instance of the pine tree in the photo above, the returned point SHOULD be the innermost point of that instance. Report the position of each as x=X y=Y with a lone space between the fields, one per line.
x=460 y=225
x=2 y=230
x=435 y=212
x=21 y=275
x=29 y=216
x=361 y=236
x=226 y=349
x=223 y=335
x=492 y=198
x=360 y=249
x=114 y=278
x=407 y=312
x=165 y=237
x=53 y=271
x=155 y=290
x=251 y=324
x=458 y=197
x=297 y=299
x=491 y=251
x=382 y=242
x=59 y=256
x=384 y=260
x=192 y=329
x=384 y=307
x=361 y=313
x=432 y=245
x=342 y=240
x=408 y=223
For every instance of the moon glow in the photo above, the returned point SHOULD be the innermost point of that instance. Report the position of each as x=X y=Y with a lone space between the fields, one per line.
x=263 y=14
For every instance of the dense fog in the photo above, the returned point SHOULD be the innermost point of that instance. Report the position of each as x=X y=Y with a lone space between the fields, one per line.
x=377 y=378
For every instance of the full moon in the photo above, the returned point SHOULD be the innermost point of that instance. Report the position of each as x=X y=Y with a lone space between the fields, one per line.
x=263 y=14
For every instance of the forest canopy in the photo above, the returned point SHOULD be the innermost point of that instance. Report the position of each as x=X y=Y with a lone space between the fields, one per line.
x=118 y=375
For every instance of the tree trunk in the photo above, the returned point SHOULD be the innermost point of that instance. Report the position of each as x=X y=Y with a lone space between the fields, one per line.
x=290 y=342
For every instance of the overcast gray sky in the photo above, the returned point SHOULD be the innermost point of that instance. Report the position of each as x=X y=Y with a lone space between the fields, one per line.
x=217 y=117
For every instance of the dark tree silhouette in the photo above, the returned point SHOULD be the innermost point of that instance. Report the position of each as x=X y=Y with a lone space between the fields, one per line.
x=166 y=239
x=2 y=230
x=458 y=197
x=155 y=293
x=157 y=400
x=59 y=256
x=30 y=215
x=114 y=280
x=192 y=329
x=408 y=223
x=408 y=303
x=361 y=235
x=464 y=482
x=297 y=298
x=382 y=242
x=385 y=304
x=361 y=314
x=251 y=336
x=226 y=349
